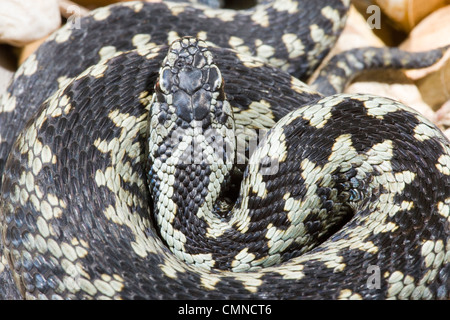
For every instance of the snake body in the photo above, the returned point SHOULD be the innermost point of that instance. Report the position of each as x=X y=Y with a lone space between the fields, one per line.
x=346 y=196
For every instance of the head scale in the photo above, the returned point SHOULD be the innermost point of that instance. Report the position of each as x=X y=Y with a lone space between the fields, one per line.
x=191 y=82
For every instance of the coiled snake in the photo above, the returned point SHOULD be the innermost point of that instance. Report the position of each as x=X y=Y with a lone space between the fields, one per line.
x=123 y=184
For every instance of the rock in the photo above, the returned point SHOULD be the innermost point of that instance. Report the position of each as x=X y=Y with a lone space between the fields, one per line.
x=432 y=32
x=442 y=118
x=92 y=4
x=406 y=14
x=435 y=87
x=392 y=84
x=24 y=21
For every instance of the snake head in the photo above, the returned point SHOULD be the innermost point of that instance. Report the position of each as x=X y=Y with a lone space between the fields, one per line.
x=191 y=82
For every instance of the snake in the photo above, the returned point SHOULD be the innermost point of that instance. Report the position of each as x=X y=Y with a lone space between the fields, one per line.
x=178 y=162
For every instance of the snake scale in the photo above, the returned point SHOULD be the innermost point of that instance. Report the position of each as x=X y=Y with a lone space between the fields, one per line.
x=118 y=156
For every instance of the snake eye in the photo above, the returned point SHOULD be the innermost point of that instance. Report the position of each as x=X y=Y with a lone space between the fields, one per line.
x=215 y=78
x=221 y=95
x=158 y=93
x=164 y=81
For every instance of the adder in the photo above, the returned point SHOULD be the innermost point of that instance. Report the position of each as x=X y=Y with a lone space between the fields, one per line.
x=96 y=202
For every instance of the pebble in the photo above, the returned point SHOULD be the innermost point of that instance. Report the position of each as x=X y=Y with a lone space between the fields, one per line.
x=24 y=21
